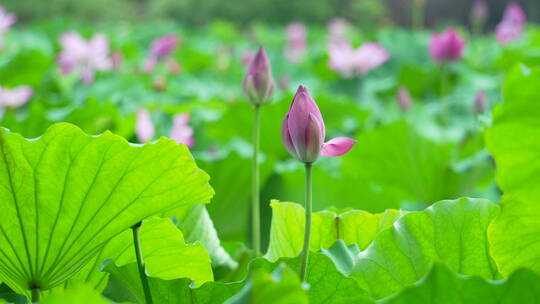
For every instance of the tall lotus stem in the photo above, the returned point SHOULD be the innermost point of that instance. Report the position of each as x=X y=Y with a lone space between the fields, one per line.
x=140 y=263
x=307 y=232
x=255 y=206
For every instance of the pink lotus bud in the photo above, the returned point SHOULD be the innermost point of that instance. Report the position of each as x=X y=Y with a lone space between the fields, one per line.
x=480 y=103
x=303 y=131
x=512 y=25
x=258 y=83
x=446 y=46
x=163 y=46
x=16 y=97
x=144 y=129
x=404 y=99
x=479 y=11
x=181 y=132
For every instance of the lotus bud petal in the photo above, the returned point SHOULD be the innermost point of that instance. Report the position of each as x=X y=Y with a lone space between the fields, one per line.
x=337 y=146
x=258 y=84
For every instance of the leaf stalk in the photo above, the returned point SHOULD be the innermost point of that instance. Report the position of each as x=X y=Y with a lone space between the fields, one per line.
x=140 y=262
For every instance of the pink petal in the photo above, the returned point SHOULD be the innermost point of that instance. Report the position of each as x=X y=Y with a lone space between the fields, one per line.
x=144 y=128
x=337 y=146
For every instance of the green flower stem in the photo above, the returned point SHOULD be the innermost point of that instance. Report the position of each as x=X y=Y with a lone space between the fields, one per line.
x=140 y=263
x=307 y=233
x=35 y=295
x=445 y=90
x=255 y=204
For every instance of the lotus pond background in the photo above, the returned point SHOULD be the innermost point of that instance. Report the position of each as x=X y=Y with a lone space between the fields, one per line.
x=428 y=130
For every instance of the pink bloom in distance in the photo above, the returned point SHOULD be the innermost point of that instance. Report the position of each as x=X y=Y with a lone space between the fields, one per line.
x=84 y=56
x=349 y=62
x=297 y=42
x=181 y=132
x=512 y=25
x=15 y=97
x=145 y=128
x=446 y=46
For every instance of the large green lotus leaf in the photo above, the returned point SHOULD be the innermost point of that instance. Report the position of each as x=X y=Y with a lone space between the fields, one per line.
x=197 y=226
x=450 y=232
x=231 y=179
x=166 y=255
x=326 y=283
x=442 y=286
x=514 y=141
x=282 y=286
x=82 y=294
x=125 y=285
x=354 y=227
x=397 y=160
x=65 y=194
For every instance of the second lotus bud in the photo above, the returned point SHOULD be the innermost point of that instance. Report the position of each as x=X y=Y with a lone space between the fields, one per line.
x=258 y=83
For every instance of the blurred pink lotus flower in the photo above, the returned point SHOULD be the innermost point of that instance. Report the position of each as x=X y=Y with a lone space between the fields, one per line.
x=15 y=97
x=247 y=57
x=6 y=21
x=515 y=13
x=404 y=99
x=258 y=84
x=512 y=25
x=84 y=56
x=144 y=129
x=303 y=131
x=479 y=11
x=480 y=104
x=297 y=42
x=161 y=48
x=446 y=46
x=181 y=132
x=349 y=62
